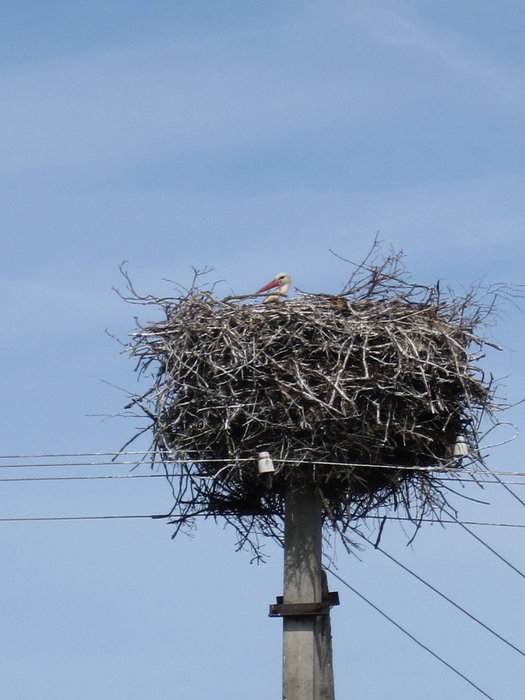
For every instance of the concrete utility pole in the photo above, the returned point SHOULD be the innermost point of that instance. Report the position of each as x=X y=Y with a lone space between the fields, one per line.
x=302 y=584
x=327 y=691
x=305 y=605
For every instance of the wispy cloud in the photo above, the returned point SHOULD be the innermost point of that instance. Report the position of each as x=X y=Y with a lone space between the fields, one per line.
x=454 y=43
x=322 y=77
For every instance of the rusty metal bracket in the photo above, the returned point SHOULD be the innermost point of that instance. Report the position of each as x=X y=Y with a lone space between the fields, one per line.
x=281 y=609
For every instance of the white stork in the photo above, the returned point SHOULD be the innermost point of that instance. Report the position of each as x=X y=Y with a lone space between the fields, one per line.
x=283 y=281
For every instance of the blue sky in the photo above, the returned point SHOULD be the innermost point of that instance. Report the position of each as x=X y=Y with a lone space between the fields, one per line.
x=251 y=137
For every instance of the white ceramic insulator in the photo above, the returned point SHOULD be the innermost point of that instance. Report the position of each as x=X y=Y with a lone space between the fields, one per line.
x=460 y=447
x=265 y=463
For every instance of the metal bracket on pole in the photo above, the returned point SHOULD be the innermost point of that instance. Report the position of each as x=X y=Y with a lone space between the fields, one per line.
x=281 y=609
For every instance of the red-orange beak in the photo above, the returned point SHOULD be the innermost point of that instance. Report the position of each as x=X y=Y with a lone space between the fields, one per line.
x=270 y=285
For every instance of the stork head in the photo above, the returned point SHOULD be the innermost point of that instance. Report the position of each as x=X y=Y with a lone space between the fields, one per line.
x=281 y=280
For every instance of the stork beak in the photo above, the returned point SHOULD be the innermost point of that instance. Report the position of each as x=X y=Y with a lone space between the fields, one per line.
x=270 y=285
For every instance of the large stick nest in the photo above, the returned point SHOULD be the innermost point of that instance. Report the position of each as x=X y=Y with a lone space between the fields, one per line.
x=353 y=393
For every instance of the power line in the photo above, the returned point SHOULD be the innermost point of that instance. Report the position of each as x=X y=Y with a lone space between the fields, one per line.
x=445 y=597
x=116 y=460
x=52 y=465
x=442 y=521
x=504 y=484
x=496 y=480
x=32 y=465
x=411 y=636
x=82 y=478
x=79 y=517
x=491 y=549
x=202 y=476
x=158 y=516
x=115 y=456
x=47 y=455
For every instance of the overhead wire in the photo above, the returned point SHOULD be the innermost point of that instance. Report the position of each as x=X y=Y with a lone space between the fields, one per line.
x=442 y=595
x=40 y=518
x=112 y=477
x=484 y=482
x=37 y=465
x=457 y=479
x=116 y=459
x=442 y=521
x=481 y=541
x=65 y=465
x=410 y=635
x=505 y=486
x=119 y=462
x=111 y=463
x=47 y=455
x=82 y=478
x=160 y=515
